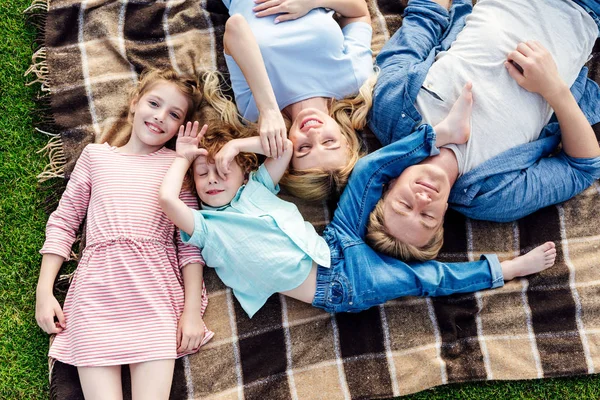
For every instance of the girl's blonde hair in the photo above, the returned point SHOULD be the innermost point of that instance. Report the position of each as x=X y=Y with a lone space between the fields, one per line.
x=379 y=239
x=312 y=184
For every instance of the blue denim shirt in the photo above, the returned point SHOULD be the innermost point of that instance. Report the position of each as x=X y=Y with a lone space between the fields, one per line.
x=512 y=184
x=369 y=278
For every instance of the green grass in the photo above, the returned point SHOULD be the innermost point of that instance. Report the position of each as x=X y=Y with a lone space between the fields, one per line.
x=23 y=346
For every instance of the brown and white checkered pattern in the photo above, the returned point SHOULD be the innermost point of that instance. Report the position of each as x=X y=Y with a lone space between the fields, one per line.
x=547 y=325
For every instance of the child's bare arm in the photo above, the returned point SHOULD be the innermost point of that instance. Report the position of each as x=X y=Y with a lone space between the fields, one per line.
x=190 y=329
x=187 y=151
x=275 y=166
x=541 y=76
x=46 y=305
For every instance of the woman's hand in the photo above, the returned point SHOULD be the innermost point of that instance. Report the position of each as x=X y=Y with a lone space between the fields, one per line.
x=290 y=9
x=188 y=139
x=272 y=131
x=46 y=307
x=224 y=158
x=190 y=331
x=537 y=72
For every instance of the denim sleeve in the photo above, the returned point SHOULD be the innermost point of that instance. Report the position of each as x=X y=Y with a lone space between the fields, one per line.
x=366 y=184
x=423 y=25
x=549 y=181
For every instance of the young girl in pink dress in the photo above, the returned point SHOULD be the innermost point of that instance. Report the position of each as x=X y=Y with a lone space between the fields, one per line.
x=137 y=296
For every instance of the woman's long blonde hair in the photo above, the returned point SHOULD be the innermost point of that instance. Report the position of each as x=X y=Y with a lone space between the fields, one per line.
x=312 y=184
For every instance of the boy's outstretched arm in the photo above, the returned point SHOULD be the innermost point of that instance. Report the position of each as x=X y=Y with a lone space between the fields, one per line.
x=168 y=196
x=275 y=166
x=541 y=76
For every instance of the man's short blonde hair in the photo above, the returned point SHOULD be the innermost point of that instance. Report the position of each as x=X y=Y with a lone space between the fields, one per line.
x=381 y=240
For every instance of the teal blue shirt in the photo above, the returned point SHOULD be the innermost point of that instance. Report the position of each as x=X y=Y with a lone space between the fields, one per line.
x=258 y=244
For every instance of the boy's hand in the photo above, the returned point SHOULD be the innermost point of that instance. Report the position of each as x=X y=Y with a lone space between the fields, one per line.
x=187 y=141
x=46 y=307
x=539 y=73
x=224 y=158
x=190 y=331
x=271 y=128
x=290 y=9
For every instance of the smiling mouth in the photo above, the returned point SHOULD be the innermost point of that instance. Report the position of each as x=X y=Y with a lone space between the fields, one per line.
x=428 y=186
x=214 y=191
x=154 y=128
x=311 y=121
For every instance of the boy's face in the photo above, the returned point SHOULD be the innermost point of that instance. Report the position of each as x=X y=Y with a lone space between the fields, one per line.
x=415 y=204
x=211 y=188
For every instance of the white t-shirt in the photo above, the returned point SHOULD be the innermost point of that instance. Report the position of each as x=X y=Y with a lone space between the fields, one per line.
x=304 y=58
x=504 y=114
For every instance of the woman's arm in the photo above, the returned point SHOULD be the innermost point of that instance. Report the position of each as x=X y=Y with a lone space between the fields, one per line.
x=540 y=75
x=240 y=43
x=275 y=166
x=350 y=10
x=168 y=197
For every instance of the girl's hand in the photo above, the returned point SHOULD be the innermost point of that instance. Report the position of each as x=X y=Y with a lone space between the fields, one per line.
x=190 y=331
x=271 y=128
x=290 y=9
x=538 y=72
x=46 y=307
x=224 y=158
x=188 y=139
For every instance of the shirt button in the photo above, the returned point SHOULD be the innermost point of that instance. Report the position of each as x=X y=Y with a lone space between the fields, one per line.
x=350 y=303
x=465 y=190
x=403 y=115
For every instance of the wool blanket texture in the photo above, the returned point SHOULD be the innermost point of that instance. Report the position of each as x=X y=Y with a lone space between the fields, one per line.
x=547 y=325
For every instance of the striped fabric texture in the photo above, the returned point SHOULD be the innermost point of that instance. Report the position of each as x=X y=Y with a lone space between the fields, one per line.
x=544 y=326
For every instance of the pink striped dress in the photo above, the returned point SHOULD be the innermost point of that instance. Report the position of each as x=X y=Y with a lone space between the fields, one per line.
x=127 y=294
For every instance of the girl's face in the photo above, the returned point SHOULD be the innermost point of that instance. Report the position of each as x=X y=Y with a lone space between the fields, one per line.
x=158 y=114
x=318 y=142
x=211 y=188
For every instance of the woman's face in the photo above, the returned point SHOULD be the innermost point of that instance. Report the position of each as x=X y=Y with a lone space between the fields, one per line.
x=318 y=142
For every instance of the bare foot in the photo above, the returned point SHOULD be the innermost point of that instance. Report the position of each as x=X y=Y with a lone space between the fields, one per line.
x=456 y=127
x=536 y=260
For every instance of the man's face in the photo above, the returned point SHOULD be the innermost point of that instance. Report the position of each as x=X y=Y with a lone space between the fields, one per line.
x=415 y=204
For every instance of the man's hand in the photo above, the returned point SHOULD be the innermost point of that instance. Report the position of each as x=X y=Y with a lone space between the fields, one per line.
x=535 y=70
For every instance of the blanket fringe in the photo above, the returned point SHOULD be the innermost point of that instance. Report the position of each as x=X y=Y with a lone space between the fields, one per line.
x=39 y=67
x=38 y=5
x=54 y=150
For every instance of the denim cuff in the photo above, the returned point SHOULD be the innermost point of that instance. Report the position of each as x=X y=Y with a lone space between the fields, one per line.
x=495 y=270
x=431 y=136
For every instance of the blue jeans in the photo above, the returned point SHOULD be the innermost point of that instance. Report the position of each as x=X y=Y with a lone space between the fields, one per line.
x=359 y=277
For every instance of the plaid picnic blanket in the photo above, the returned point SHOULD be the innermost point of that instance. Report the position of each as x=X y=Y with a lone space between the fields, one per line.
x=544 y=326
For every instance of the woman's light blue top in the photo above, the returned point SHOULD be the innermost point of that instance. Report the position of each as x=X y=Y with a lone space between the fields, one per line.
x=304 y=58
x=258 y=244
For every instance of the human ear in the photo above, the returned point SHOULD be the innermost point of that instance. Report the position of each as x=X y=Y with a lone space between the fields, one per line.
x=133 y=105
